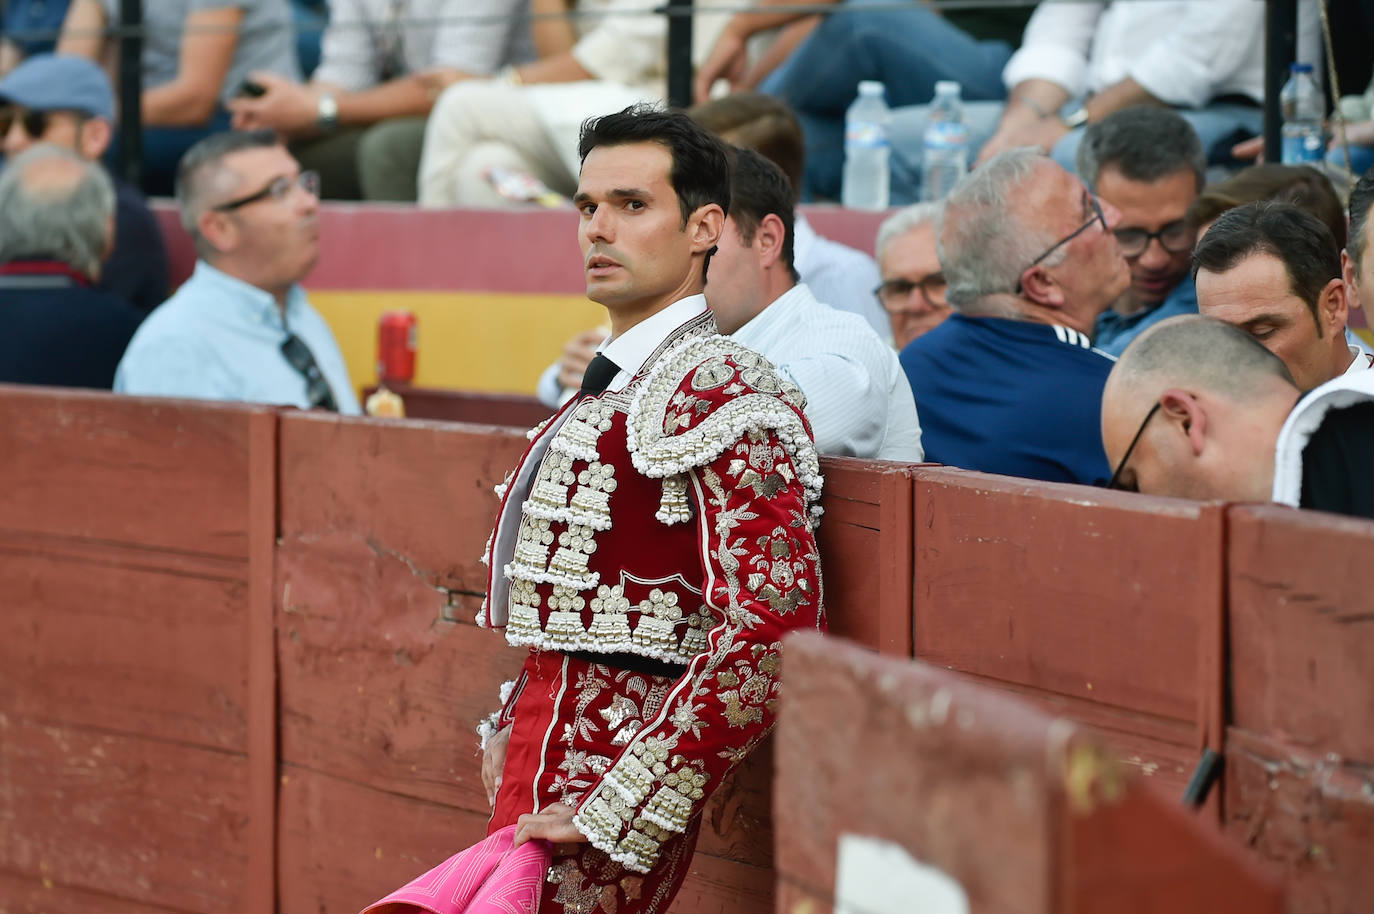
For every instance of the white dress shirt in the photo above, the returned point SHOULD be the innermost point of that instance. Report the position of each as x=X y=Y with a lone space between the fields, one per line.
x=840 y=276
x=858 y=400
x=1183 y=52
x=474 y=36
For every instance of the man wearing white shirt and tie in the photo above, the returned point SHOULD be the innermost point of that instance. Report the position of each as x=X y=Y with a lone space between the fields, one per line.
x=858 y=401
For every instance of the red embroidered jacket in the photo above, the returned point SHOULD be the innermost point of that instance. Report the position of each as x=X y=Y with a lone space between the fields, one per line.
x=673 y=519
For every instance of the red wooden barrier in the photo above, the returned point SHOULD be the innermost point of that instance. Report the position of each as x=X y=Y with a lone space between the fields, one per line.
x=1300 y=753
x=1100 y=605
x=136 y=718
x=1023 y=811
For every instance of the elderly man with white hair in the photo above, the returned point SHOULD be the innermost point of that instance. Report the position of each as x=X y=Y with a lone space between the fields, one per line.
x=57 y=214
x=1010 y=382
x=913 y=285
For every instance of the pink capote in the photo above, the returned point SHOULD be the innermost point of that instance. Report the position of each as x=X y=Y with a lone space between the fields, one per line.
x=487 y=878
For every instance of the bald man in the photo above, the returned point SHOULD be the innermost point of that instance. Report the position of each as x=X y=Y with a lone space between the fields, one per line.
x=1197 y=408
x=56 y=226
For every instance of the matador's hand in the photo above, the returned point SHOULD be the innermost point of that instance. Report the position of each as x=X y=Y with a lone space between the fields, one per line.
x=493 y=761
x=554 y=824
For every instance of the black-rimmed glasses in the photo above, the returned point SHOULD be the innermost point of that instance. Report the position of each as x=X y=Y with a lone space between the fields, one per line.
x=317 y=389
x=1115 y=481
x=1176 y=237
x=1096 y=217
x=895 y=294
x=279 y=189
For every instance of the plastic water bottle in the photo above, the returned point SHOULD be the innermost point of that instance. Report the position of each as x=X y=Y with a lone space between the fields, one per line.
x=866 y=150
x=944 y=159
x=1303 y=107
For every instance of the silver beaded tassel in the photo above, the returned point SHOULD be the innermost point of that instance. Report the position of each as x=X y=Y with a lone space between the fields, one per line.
x=673 y=507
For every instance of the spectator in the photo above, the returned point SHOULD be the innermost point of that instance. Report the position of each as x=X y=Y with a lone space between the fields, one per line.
x=1301 y=185
x=1231 y=425
x=1274 y=271
x=908 y=50
x=67 y=101
x=609 y=55
x=360 y=121
x=841 y=276
x=912 y=291
x=1357 y=259
x=28 y=27
x=196 y=55
x=857 y=399
x=56 y=216
x=241 y=328
x=1147 y=163
x=1009 y=383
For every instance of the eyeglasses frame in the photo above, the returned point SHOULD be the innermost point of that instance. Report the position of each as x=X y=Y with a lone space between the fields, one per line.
x=301 y=181
x=1115 y=481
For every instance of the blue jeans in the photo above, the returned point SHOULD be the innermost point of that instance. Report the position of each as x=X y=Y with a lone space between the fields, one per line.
x=1219 y=127
x=906 y=50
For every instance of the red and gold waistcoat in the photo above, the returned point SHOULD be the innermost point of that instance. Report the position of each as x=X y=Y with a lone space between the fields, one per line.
x=673 y=520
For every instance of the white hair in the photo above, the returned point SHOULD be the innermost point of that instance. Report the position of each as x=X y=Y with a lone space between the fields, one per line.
x=905 y=220
x=984 y=244
x=49 y=216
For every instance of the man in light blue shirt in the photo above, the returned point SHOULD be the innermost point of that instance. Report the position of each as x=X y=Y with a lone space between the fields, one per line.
x=241 y=328
x=857 y=398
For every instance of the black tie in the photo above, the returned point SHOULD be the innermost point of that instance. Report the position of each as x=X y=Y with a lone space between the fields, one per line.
x=598 y=375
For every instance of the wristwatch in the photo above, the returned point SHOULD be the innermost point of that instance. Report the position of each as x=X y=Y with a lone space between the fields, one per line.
x=328 y=116
x=1076 y=118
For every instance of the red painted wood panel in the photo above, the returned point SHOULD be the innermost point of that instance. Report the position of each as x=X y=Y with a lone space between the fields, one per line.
x=1103 y=602
x=1026 y=812
x=144 y=821
x=1300 y=757
x=1302 y=628
x=170 y=474
x=101 y=636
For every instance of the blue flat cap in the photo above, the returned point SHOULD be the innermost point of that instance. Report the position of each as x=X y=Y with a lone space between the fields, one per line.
x=52 y=82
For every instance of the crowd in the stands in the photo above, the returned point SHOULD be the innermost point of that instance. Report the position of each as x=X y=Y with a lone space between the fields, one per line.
x=1114 y=295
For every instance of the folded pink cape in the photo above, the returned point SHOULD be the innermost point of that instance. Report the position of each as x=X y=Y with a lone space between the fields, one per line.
x=487 y=878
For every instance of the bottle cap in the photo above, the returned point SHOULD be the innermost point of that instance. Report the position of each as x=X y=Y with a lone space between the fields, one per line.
x=946 y=87
x=870 y=87
x=1301 y=68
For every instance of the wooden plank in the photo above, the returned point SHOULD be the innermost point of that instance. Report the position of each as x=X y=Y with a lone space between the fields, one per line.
x=40 y=895
x=1302 y=628
x=100 y=635
x=151 y=822
x=154 y=472
x=1095 y=595
x=260 y=645
x=344 y=845
x=1308 y=814
x=849 y=536
x=417 y=490
x=894 y=570
x=1026 y=812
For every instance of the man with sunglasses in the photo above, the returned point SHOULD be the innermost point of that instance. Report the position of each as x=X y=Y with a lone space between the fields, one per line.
x=1198 y=408
x=241 y=328
x=67 y=101
x=1148 y=163
x=1010 y=382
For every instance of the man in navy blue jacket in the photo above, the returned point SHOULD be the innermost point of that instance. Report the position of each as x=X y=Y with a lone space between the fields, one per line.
x=56 y=216
x=1010 y=382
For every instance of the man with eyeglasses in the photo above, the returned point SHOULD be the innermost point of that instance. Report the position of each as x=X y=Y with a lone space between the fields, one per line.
x=241 y=328
x=1010 y=382
x=67 y=101
x=1148 y=163
x=1197 y=408
x=913 y=286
